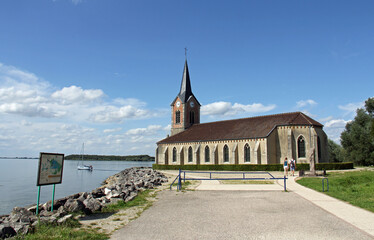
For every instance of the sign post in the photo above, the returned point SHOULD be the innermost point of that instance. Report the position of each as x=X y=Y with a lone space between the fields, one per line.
x=49 y=172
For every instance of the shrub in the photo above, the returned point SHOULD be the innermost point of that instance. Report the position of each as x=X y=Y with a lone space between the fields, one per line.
x=253 y=167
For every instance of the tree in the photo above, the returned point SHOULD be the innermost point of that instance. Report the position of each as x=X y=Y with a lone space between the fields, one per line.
x=369 y=105
x=357 y=140
x=336 y=152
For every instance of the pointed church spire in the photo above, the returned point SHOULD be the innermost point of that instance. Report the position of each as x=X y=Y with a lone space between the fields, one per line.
x=185 y=91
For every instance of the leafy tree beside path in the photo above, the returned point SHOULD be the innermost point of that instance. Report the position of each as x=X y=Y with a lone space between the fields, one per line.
x=358 y=137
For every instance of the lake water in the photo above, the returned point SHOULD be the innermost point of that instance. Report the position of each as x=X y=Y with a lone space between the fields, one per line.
x=18 y=180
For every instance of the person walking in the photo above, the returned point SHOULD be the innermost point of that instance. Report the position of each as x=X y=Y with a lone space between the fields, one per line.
x=292 y=166
x=285 y=167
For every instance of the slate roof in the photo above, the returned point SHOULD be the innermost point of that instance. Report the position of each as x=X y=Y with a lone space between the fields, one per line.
x=185 y=92
x=245 y=128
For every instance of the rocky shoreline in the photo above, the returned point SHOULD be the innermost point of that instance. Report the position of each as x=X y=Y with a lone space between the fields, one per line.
x=124 y=185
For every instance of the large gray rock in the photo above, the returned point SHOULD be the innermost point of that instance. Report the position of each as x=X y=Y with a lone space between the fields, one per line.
x=82 y=196
x=131 y=196
x=6 y=231
x=21 y=228
x=98 y=192
x=64 y=219
x=22 y=215
x=74 y=205
x=92 y=204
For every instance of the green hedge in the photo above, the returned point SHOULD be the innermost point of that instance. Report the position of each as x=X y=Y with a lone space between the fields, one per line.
x=253 y=167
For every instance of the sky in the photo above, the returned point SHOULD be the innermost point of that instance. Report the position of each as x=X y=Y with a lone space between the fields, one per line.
x=104 y=72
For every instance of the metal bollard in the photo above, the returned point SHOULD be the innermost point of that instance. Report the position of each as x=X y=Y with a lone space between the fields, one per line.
x=323 y=184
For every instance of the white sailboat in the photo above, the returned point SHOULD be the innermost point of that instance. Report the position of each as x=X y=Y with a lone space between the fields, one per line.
x=81 y=166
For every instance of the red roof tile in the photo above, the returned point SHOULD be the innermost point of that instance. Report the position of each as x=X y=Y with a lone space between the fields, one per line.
x=245 y=128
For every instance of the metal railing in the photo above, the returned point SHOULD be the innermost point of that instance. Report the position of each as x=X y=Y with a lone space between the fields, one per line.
x=244 y=176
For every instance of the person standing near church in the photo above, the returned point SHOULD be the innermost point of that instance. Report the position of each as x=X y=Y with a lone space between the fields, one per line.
x=292 y=166
x=285 y=167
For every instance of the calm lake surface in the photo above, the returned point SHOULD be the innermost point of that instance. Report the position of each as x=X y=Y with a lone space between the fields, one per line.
x=18 y=180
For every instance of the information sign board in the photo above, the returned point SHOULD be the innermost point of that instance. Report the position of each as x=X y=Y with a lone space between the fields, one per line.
x=50 y=168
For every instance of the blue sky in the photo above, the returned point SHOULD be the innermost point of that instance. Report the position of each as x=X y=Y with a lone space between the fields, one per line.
x=105 y=72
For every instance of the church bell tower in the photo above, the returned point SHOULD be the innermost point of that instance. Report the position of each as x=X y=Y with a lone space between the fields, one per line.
x=185 y=108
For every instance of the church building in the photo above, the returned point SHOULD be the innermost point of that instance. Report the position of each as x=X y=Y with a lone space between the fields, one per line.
x=255 y=140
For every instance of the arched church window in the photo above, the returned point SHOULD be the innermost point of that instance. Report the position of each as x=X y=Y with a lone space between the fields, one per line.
x=247 y=153
x=225 y=153
x=301 y=147
x=192 y=117
x=319 y=148
x=177 y=117
x=174 y=154
x=207 y=156
x=190 y=154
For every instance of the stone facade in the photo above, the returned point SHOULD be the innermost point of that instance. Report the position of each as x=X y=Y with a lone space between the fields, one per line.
x=257 y=140
x=281 y=143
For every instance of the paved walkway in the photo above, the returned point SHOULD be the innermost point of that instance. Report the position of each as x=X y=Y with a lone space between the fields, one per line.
x=249 y=212
x=356 y=216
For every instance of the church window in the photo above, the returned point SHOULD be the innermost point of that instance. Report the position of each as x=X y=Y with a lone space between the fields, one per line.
x=177 y=117
x=247 y=153
x=301 y=147
x=192 y=117
x=174 y=154
x=319 y=148
x=190 y=154
x=226 y=153
x=207 y=156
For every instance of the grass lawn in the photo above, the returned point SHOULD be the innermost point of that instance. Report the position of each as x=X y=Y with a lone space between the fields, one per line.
x=66 y=231
x=356 y=187
x=139 y=200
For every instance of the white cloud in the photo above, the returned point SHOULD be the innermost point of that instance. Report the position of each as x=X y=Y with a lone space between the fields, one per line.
x=150 y=130
x=112 y=130
x=29 y=110
x=227 y=109
x=129 y=101
x=74 y=94
x=304 y=103
x=14 y=73
x=350 y=108
x=24 y=94
x=36 y=117
x=334 y=128
x=116 y=114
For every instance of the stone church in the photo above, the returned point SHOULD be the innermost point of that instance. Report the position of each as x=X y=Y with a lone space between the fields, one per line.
x=255 y=140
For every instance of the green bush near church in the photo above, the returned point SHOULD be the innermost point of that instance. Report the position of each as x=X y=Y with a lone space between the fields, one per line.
x=254 y=167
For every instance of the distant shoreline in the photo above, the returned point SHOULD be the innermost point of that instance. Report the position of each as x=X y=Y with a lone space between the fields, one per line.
x=97 y=160
x=19 y=158
x=139 y=158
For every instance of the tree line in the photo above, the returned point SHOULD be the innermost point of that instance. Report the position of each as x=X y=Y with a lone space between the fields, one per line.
x=110 y=157
x=357 y=139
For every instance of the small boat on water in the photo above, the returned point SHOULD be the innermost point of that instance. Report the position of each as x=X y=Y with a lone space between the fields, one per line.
x=81 y=166
x=85 y=167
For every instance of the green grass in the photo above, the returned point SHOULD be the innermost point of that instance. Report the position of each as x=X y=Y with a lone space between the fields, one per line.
x=356 y=187
x=66 y=231
x=139 y=200
x=184 y=184
x=246 y=182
